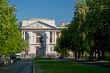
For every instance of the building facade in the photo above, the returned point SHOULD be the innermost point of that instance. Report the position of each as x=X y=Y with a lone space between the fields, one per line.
x=42 y=35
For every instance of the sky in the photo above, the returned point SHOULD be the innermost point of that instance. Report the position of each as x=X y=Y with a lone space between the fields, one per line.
x=59 y=10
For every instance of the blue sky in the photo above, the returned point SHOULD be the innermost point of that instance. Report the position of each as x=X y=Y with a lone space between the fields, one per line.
x=59 y=10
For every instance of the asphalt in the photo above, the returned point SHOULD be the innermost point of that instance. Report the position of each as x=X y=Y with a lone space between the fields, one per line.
x=22 y=66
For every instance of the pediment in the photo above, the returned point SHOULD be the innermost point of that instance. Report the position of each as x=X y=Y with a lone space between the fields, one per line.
x=39 y=25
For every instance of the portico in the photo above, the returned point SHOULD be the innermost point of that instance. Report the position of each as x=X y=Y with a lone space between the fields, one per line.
x=41 y=35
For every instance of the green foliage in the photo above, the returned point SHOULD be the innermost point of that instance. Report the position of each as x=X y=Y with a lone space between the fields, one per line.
x=10 y=36
x=73 y=36
x=62 y=43
x=98 y=22
x=90 y=28
x=77 y=26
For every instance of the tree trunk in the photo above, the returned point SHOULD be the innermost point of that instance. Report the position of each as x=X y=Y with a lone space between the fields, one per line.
x=99 y=56
x=82 y=55
x=79 y=54
x=75 y=55
x=103 y=54
x=90 y=53
x=95 y=54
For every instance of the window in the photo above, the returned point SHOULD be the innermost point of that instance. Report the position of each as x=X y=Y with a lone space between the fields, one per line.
x=50 y=37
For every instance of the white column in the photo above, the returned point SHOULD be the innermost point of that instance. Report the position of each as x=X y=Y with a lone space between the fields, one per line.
x=47 y=38
x=55 y=37
x=30 y=37
x=24 y=35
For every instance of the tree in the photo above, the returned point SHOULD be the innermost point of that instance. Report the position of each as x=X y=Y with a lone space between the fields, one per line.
x=72 y=38
x=10 y=35
x=90 y=28
x=63 y=43
x=77 y=26
x=97 y=21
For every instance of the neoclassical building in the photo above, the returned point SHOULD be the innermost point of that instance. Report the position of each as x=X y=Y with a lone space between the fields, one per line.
x=41 y=35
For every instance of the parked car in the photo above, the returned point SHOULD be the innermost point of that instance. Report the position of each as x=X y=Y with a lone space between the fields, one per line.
x=13 y=58
x=1 y=60
x=18 y=56
x=4 y=60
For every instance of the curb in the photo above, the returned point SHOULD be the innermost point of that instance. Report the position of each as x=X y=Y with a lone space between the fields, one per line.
x=33 y=64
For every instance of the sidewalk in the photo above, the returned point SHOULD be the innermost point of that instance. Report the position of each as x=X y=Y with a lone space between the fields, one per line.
x=105 y=64
x=5 y=68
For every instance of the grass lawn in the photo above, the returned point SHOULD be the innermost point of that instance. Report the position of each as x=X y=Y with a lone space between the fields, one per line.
x=52 y=66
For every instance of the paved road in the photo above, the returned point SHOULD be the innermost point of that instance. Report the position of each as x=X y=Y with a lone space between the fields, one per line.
x=23 y=66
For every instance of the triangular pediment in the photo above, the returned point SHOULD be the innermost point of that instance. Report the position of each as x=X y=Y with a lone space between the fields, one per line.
x=39 y=25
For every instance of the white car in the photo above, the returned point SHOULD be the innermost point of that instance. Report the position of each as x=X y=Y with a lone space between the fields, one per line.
x=18 y=56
